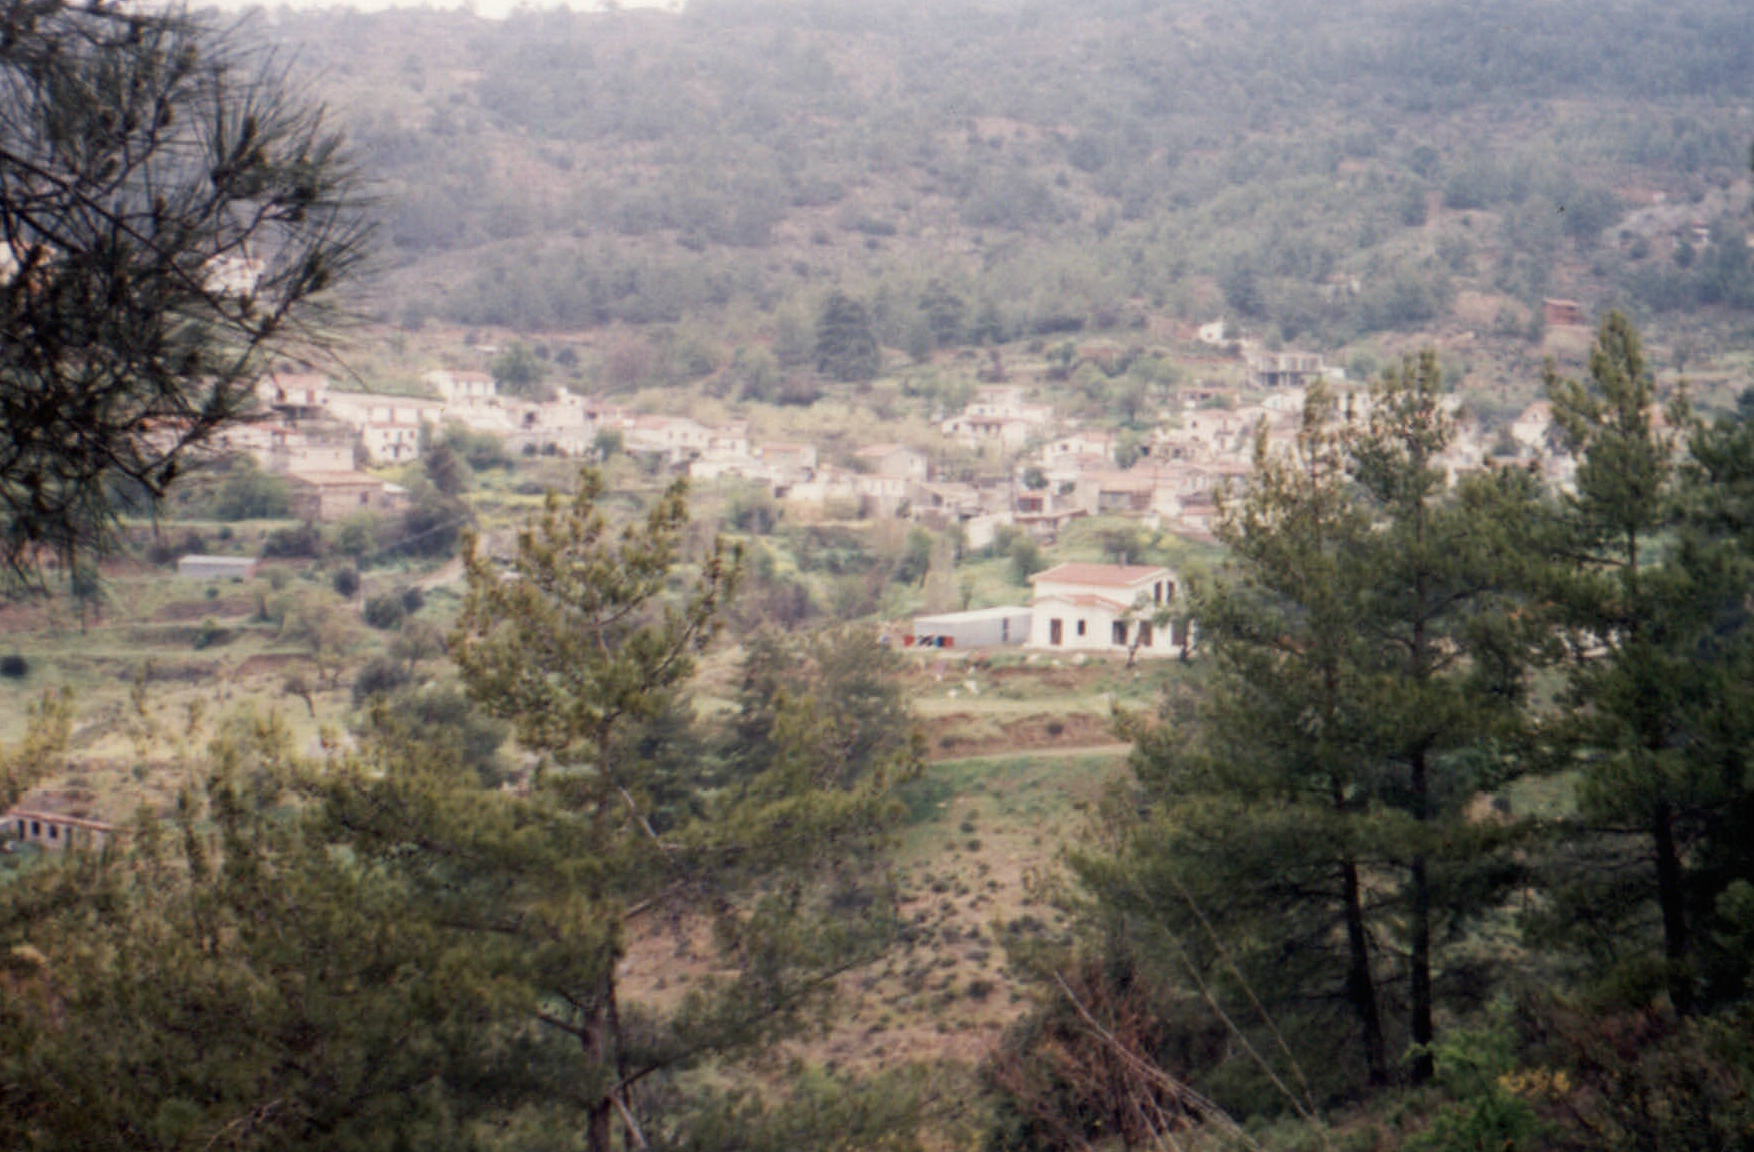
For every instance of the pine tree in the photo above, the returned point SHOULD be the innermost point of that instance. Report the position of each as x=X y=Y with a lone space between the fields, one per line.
x=1656 y=549
x=1448 y=629
x=176 y=219
x=1368 y=659
x=1272 y=750
x=585 y=643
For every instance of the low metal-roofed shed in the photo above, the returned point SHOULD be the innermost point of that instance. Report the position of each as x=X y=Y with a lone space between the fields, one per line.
x=977 y=628
x=216 y=567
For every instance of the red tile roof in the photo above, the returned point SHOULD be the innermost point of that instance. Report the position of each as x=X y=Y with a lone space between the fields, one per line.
x=1105 y=575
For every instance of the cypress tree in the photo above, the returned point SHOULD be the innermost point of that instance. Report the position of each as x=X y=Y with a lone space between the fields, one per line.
x=846 y=344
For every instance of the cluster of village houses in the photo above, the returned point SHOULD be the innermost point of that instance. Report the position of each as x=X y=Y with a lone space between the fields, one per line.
x=316 y=435
x=1058 y=473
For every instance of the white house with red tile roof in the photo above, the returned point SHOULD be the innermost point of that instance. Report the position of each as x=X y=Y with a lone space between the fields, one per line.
x=1079 y=444
x=792 y=461
x=998 y=412
x=674 y=438
x=1103 y=608
x=973 y=429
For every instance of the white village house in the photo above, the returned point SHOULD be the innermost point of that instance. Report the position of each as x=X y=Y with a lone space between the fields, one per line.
x=1103 y=608
x=461 y=387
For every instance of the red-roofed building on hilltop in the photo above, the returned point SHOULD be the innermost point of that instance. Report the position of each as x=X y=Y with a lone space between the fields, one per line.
x=1104 y=608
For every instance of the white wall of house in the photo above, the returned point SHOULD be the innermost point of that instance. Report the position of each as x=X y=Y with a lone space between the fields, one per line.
x=387 y=443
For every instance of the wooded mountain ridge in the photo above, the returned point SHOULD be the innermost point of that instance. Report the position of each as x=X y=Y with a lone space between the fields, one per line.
x=1316 y=174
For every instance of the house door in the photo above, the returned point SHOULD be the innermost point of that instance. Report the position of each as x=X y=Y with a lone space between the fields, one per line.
x=1056 y=633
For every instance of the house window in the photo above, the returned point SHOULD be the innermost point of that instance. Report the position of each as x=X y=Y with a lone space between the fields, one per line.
x=364 y=498
x=1157 y=592
x=1144 y=633
x=54 y=832
x=1081 y=627
x=36 y=829
x=1120 y=632
x=1005 y=630
x=1056 y=632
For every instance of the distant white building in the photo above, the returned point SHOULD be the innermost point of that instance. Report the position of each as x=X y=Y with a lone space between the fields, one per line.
x=1103 y=608
x=1077 y=444
x=294 y=393
x=895 y=460
x=1533 y=428
x=391 y=443
x=797 y=460
x=998 y=413
x=1285 y=369
x=674 y=439
x=461 y=387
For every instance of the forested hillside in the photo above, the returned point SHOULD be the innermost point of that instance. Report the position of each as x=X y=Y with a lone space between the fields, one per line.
x=1316 y=173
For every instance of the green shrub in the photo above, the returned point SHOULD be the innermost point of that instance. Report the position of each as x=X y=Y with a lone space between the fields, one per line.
x=301 y=542
x=1475 y=1068
x=385 y=611
x=379 y=677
